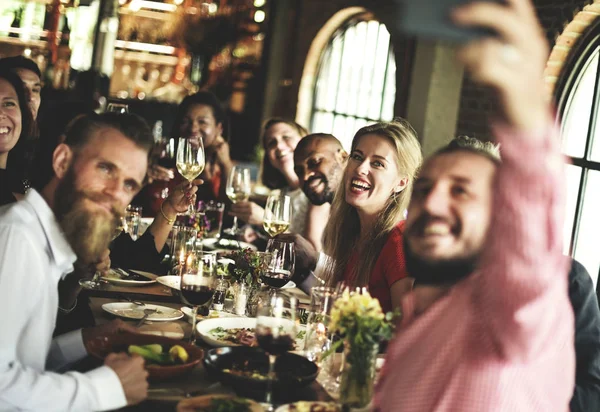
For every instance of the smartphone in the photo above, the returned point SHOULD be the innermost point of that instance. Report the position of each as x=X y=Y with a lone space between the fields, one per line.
x=431 y=19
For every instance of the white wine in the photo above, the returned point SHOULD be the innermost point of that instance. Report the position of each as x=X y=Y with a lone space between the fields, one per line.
x=238 y=196
x=190 y=171
x=275 y=227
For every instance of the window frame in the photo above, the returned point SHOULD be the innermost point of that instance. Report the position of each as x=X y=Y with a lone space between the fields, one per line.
x=364 y=16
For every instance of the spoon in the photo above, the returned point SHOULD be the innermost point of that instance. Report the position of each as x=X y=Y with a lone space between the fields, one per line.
x=143 y=319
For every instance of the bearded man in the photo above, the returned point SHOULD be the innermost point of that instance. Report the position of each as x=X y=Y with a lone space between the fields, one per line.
x=97 y=171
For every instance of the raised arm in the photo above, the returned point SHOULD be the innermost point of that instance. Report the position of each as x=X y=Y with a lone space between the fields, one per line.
x=522 y=294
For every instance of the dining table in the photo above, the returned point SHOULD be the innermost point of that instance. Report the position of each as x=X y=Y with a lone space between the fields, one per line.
x=163 y=396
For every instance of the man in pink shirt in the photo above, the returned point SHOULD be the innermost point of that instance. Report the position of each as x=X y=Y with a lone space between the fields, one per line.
x=489 y=326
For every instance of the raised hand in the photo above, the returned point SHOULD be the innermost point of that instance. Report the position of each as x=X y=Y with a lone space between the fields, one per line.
x=512 y=63
x=249 y=212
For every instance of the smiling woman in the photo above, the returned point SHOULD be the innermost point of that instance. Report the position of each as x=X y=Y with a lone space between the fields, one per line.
x=364 y=233
x=15 y=123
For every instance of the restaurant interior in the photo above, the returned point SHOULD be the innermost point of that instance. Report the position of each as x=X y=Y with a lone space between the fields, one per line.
x=330 y=66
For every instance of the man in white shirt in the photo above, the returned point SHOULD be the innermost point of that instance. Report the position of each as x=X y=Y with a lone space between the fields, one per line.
x=97 y=171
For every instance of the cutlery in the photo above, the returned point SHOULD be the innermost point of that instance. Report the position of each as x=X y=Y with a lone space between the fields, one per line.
x=135 y=302
x=143 y=319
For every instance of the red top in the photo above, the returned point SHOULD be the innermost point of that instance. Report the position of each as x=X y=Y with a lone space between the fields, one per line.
x=389 y=268
x=501 y=339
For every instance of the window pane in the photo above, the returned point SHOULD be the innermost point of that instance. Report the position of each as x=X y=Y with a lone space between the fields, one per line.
x=334 y=73
x=573 y=175
x=389 y=94
x=586 y=247
x=381 y=58
x=576 y=118
x=321 y=83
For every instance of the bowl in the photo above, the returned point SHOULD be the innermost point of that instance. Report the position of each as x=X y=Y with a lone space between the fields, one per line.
x=292 y=371
x=101 y=347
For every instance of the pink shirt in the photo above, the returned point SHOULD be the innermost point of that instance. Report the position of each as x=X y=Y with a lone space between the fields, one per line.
x=502 y=339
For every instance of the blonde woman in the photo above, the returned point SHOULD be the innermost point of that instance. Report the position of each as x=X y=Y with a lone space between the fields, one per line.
x=363 y=237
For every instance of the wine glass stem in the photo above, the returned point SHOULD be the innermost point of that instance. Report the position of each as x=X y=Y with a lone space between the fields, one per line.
x=269 y=394
x=194 y=316
x=234 y=228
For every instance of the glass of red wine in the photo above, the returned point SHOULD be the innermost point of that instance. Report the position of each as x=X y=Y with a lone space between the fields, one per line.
x=275 y=331
x=280 y=264
x=198 y=282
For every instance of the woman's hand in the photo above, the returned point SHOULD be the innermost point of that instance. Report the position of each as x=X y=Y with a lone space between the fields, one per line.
x=180 y=197
x=249 y=212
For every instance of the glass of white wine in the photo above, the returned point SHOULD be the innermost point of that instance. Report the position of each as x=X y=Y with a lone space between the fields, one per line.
x=238 y=190
x=278 y=214
x=190 y=162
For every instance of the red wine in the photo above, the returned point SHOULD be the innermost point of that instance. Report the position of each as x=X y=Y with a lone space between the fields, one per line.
x=275 y=345
x=196 y=295
x=276 y=278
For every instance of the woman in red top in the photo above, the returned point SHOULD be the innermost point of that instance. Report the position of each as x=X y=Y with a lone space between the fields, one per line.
x=363 y=237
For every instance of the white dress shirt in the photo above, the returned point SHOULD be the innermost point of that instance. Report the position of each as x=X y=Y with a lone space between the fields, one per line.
x=34 y=256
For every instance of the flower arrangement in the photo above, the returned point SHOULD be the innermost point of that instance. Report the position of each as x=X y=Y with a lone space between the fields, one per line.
x=359 y=320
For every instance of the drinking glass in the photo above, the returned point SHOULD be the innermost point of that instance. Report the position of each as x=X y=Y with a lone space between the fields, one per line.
x=238 y=190
x=190 y=162
x=182 y=243
x=198 y=282
x=213 y=211
x=117 y=108
x=278 y=214
x=133 y=218
x=275 y=331
x=95 y=281
x=317 y=338
x=280 y=264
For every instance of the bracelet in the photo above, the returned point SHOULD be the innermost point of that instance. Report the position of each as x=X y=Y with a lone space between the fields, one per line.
x=162 y=212
x=67 y=311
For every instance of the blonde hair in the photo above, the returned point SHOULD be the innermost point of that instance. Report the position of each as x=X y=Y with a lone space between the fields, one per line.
x=342 y=233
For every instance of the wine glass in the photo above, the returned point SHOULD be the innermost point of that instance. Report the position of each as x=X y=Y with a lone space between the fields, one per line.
x=117 y=108
x=238 y=190
x=95 y=282
x=190 y=162
x=280 y=264
x=278 y=214
x=275 y=331
x=198 y=282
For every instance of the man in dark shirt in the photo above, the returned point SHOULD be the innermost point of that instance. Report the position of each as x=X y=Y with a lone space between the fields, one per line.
x=586 y=397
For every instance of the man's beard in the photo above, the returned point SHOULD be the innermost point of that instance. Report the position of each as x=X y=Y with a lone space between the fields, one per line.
x=318 y=199
x=88 y=232
x=438 y=273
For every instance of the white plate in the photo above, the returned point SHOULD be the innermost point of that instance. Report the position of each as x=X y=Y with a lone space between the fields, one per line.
x=226 y=244
x=129 y=310
x=126 y=282
x=171 y=281
x=213 y=314
x=205 y=327
x=306 y=406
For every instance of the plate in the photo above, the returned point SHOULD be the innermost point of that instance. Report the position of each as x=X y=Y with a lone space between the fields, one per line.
x=130 y=310
x=307 y=406
x=226 y=244
x=213 y=314
x=206 y=329
x=171 y=281
x=119 y=342
x=116 y=279
x=292 y=371
x=204 y=402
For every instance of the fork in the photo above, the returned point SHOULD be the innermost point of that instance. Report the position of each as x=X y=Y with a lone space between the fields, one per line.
x=147 y=312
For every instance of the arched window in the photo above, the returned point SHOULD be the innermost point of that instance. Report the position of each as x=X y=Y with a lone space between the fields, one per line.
x=356 y=79
x=578 y=95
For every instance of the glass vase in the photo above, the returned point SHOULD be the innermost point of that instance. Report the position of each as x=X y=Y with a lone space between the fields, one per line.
x=358 y=374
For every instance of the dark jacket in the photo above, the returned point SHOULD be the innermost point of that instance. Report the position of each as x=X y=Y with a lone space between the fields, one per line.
x=586 y=397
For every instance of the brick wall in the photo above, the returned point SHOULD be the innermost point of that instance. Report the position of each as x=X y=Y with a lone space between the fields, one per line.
x=476 y=103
